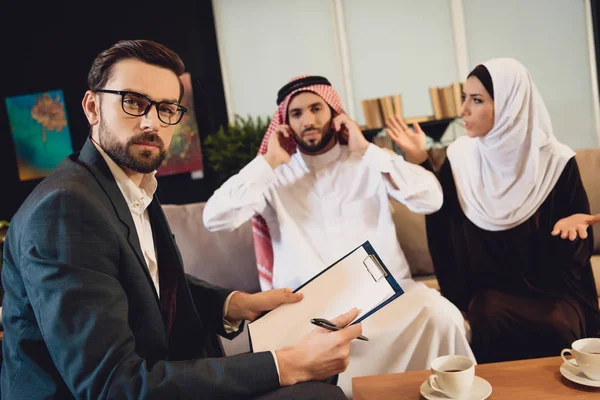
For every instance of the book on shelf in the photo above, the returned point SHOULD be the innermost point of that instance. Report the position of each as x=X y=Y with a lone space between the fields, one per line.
x=377 y=110
x=366 y=113
x=453 y=111
x=372 y=113
x=434 y=94
x=397 y=101
x=446 y=101
x=385 y=103
x=457 y=95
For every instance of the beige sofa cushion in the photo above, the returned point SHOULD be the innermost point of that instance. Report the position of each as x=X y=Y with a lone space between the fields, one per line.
x=588 y=161
x=222 y=258
x=410 y=228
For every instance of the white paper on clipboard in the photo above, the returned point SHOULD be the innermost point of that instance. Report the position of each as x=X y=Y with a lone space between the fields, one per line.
x=355 y=281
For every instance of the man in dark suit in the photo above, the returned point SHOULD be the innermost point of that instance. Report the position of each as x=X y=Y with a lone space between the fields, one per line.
x=97 y=304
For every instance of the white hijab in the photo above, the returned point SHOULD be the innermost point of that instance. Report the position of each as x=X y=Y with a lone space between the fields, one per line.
x=503 y=177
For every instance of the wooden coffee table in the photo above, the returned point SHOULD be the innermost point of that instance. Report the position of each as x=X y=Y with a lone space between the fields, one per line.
x=526 y=379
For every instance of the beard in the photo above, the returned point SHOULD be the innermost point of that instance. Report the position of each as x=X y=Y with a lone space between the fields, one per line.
x=125 y=155
x=315 y=145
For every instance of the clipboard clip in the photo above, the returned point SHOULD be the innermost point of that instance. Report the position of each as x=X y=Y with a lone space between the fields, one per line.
x=372 y=265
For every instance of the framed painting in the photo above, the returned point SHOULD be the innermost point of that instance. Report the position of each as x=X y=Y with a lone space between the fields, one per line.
x=185 y=154
x=40 y=132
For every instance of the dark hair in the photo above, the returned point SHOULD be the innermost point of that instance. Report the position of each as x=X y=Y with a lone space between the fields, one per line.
x=143 y=50
x=481 y=72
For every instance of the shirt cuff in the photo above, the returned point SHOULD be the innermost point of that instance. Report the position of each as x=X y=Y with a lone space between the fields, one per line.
x=276 y=365
x=230 y=327
x=378 y=158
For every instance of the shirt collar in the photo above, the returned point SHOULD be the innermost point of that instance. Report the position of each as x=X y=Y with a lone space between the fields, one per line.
x=137 y=198
x=322 y=160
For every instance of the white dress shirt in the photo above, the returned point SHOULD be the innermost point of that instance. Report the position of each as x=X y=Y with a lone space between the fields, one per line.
x=319 y=208
x=138 y=199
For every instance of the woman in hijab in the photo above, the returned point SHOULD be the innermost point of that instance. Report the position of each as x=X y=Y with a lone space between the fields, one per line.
x=526 y=293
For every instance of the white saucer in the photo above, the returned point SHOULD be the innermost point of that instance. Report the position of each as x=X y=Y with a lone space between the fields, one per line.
x=574 y=374
x=480 y=390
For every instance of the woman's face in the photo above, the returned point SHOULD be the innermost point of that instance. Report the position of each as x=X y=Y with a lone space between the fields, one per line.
x=477 y=110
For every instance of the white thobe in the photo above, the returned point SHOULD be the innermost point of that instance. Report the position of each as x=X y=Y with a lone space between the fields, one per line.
x=318 y=209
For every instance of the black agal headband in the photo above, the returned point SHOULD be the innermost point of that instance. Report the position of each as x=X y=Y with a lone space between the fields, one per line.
x=299 y=84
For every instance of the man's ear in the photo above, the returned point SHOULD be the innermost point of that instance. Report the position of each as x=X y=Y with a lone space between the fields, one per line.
x=91 y=107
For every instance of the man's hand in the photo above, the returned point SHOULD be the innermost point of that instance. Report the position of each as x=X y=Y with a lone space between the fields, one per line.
x=574 y=225
x=350 y=130
x=276 y=155
x=412 y=143
x=249 y=306
x=320 y=354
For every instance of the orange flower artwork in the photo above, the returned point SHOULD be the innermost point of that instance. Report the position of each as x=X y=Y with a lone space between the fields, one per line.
x=40 y=132
x=50 y=113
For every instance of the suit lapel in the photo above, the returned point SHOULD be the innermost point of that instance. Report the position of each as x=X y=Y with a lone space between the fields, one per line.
x=160 y=228
x=175 y=297
x=168 y=265
x=93 y=161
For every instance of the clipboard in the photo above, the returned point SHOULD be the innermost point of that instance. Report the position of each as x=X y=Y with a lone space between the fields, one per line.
x=359 y=279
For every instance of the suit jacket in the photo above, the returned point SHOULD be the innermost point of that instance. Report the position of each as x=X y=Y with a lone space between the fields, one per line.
x=81 y=316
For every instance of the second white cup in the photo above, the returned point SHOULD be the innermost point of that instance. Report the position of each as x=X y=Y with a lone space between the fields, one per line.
x=587 y=356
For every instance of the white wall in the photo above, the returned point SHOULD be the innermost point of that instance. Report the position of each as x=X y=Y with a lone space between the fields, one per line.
x=265 y=43
x=406 y=46
x=390 y=54
x=549 y=38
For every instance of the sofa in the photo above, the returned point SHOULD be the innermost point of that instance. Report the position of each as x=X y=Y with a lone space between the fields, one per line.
x=227 y=258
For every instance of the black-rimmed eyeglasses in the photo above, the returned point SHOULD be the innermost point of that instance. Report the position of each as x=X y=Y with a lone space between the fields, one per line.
x=137 y=104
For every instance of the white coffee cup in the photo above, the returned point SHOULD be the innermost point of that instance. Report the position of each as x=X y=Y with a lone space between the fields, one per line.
x=587 y=355
x=452 y=376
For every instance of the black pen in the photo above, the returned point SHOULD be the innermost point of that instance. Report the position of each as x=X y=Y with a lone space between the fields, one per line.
x=326 y=324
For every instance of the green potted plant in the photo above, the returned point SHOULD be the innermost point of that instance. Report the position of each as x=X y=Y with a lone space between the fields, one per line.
x=232 y=147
